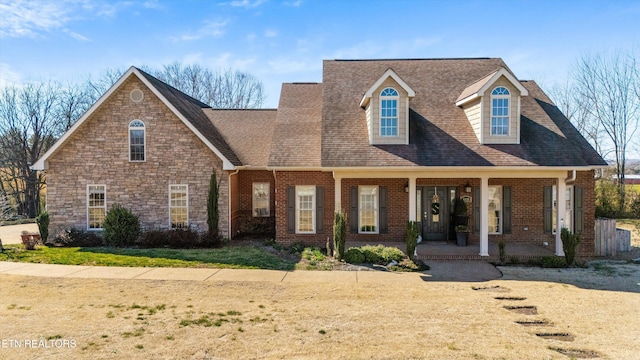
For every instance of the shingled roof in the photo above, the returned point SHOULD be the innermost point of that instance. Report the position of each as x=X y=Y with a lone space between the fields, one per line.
x=192 y=110
x=440 y=133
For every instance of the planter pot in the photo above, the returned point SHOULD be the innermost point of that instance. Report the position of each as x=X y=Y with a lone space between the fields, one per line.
x=461 y=238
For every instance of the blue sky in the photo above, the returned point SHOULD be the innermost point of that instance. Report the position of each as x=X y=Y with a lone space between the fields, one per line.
x=286 y=40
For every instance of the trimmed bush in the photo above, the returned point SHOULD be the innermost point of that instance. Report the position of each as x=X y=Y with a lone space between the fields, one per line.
x=213 y=213
x=43 y=225
x=412 y=237
x=178 y=239
x=553 y=262
x=121 y=227
x=339 y=234
x=354 y=256
x=570 y=245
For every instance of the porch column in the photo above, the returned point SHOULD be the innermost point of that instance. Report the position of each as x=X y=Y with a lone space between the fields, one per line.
x=337 y=188
x=561 y=211
x=412 y=199
x=484 y=216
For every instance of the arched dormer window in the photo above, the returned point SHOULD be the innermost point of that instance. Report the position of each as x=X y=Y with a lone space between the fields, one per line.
x=389 y=112
x=136 y=141
x=500 y=98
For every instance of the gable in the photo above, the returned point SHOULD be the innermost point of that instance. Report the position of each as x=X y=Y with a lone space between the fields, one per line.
x=187 y=109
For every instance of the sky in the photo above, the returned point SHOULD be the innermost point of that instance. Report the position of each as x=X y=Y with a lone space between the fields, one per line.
x=286 y=40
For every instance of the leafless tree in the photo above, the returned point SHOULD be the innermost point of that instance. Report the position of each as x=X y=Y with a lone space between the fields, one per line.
x=607 y=87
x=222 y=89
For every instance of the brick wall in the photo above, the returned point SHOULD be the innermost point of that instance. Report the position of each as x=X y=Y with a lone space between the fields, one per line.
x=242 y=190
x=97 y=153
x=293 y=178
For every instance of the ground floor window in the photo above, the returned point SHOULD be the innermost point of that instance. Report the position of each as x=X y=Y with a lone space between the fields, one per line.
x=368 y=209
x=179 y=206
x=261 y=199
x=305 y=209
x=96 y=206
x=495 y=209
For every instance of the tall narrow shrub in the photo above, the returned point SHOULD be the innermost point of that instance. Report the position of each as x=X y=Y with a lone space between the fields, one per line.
x=412 y=237
x=213 y=214
x=339 y=234
x=43 y=225
x=570 y=245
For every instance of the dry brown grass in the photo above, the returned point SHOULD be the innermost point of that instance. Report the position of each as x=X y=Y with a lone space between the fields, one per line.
x=120 y=319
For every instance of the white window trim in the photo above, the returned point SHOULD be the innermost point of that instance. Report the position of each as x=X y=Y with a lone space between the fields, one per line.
x=104 y=187
x=397 y=99
x=253 y=199
x=501 y=217
x=144 y=138
x=568 y=210
x=300 y=188
x=171 y=186
x=508 y=98
x=377 y=209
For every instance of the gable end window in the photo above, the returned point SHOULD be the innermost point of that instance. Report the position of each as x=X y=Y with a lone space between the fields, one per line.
x=96 y=206
x=136 y=141
x=179 y=206
x=500 y=98
x=389 y=112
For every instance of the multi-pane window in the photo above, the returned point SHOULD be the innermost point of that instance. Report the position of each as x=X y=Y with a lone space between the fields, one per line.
x=368 y=209
x=568 y=216
x=389 y=112
x=495 y=209
x=305 y=209
x=136 y=141
x=260 y=199
x=179 y=206
x=96 y=206
x=500 y=111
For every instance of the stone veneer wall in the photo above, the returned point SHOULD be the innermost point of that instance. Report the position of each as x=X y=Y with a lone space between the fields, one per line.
x=97 y=153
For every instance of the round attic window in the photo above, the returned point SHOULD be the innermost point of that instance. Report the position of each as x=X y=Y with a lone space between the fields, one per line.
x=136 y=95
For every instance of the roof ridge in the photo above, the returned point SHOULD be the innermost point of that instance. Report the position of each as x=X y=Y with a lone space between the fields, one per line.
x=417 y=59
x=191 y=98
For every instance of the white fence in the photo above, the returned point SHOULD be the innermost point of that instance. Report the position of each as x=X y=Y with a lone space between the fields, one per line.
x=608 y=240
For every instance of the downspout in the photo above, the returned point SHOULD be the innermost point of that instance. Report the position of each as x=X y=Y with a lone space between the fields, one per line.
x=230 y=215
x=572 y=178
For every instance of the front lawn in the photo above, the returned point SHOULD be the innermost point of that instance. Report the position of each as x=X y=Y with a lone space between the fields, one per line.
x=232 y=257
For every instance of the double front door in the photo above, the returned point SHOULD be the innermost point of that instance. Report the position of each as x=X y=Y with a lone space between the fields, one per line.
x=434 y=209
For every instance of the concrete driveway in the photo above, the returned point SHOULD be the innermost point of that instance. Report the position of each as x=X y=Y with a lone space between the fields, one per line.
x=11 y=234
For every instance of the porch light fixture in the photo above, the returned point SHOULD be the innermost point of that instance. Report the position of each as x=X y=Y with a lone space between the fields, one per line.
x=406 y=188
x=467 y=187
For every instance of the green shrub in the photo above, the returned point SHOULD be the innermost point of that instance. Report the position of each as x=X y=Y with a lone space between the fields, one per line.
x=43 y=225
x=412 y=237
x=339 y=234
x=121 y=227
x=213 y=213
x=296 y=248
x=570 y=245
x=313 y=254
x=553 y=262
x=503 y=256
x=354 y=256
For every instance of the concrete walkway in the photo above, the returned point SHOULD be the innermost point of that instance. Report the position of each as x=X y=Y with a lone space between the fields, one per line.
x=459 y=271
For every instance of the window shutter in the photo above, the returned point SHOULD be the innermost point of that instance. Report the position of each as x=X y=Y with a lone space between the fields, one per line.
x=291 y=209
x=319 y=209
x=578 y=211
x=548 y=209
x=353 y=207
x=476 y=209
x=506 y=209
x=382 y=215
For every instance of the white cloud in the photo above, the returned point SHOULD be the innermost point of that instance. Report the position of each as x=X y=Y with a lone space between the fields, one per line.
x=27 y=19
x=285 y=65
x=8 y=76
x=365 y=50
x=75 y=35
x=247 y=4
x=271 y=33
x=209 y=29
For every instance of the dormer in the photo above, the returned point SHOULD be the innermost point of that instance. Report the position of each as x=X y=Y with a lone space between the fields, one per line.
x=492 y=106
x=386 y=106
